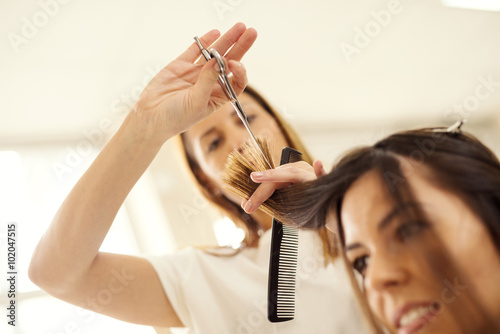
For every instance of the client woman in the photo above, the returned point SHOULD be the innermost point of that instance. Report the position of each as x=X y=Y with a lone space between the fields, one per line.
x=417 y=216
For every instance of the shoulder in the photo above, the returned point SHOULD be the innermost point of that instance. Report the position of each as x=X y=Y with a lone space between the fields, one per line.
x=191 y=256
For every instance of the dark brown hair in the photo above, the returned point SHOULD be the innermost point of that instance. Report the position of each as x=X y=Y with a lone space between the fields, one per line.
x=456 y=161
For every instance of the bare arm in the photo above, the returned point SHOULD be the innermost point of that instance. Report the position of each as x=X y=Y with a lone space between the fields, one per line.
x=67 y=262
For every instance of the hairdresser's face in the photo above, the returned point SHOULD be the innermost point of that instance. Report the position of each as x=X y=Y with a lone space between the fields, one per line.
x=213 y=139
x=383 y=246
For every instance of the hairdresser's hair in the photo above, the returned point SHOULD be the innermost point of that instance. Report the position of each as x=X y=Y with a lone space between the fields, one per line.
x=232 y=210
x=456 y=161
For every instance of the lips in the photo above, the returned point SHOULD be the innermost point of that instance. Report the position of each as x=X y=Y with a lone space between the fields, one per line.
x=413 y=317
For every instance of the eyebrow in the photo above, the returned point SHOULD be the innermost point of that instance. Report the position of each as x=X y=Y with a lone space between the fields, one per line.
x=208 y=132
x=385 y=222
x=212 y=129
x=352 y=246
x=382 y=224
x=234 y=114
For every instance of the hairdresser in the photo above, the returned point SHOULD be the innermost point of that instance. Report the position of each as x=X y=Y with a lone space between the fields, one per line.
x=207 y=292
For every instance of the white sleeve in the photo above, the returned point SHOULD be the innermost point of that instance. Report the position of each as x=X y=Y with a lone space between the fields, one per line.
x=174 y=272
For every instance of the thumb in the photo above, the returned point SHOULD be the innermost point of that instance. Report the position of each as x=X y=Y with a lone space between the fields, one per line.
x=318 y=168
x=206 y=81
x=239 y=79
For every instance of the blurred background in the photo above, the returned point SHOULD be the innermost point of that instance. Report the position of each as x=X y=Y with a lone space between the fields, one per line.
x=343 y=73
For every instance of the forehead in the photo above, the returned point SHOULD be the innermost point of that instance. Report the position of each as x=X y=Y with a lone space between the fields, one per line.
x=367 y=201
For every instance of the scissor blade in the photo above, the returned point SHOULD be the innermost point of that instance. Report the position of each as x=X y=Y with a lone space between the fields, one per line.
x=244 y=120
x=231 y=95
x=257 y=144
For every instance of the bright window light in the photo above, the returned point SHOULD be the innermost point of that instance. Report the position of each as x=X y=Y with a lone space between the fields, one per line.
x=31 y=193
x=39 y=317
x=227 y=233
x=492 y=5
x=14 y=186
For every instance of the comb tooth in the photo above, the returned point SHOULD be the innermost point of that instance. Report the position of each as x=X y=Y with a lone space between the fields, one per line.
x=285 y=308
x=283 y=275
x=283 y=262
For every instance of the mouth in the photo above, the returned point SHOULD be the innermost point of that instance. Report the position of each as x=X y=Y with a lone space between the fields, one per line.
x=414 y=317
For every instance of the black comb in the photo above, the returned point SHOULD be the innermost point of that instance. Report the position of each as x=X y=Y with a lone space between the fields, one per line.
x=283 y=261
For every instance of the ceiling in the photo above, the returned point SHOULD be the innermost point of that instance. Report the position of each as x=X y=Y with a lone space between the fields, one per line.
x=80 y=66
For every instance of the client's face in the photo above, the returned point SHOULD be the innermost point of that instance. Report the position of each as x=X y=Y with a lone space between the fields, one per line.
x=401 y=289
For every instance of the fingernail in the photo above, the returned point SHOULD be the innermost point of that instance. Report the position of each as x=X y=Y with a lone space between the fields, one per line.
x=243 y=203
x=248 y=206
x=237 y=64
x=256 y=175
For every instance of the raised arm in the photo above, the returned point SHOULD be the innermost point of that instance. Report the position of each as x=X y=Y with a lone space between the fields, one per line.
x=67 y=262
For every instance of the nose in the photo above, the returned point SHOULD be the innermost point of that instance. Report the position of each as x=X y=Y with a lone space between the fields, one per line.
x=236 y=137
x=385 y=271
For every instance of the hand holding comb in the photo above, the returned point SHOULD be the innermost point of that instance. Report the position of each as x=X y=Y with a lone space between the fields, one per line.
x=284 y=242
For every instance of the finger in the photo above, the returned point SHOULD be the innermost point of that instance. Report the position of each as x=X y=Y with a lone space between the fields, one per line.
x=243 y=203
x=239 y=80
x=243 y=44
x=229 y=38
x=260 y=195
x=318 y=168
x=203 y=87
x=194 y=52
x=286 y=173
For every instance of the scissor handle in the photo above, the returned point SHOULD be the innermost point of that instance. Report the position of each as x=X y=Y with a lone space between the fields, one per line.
x=226 y=85
x=229 y=91
x=223 y=79
x=215 y=54
x=204 y=51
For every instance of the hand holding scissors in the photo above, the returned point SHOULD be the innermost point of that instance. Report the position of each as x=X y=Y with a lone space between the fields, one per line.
x=229 y=91
x=186 y=91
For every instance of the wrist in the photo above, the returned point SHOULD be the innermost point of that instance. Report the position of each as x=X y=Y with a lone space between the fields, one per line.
x=140 y=129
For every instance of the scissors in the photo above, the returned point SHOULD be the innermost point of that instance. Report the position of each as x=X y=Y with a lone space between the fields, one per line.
x=228 y=90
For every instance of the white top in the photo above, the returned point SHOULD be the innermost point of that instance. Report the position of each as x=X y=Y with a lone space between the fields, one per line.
x=228 y=294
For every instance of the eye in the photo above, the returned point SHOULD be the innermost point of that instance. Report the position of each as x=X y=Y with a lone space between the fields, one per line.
x=250 y=119
x=214 y=144
x=410 y=229
x=360 y=264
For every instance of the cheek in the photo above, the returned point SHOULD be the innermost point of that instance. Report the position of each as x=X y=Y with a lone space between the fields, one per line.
x=267 y=128
x=470 y=247
x=212 y=166
x=376 y=307
x=479 y=260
